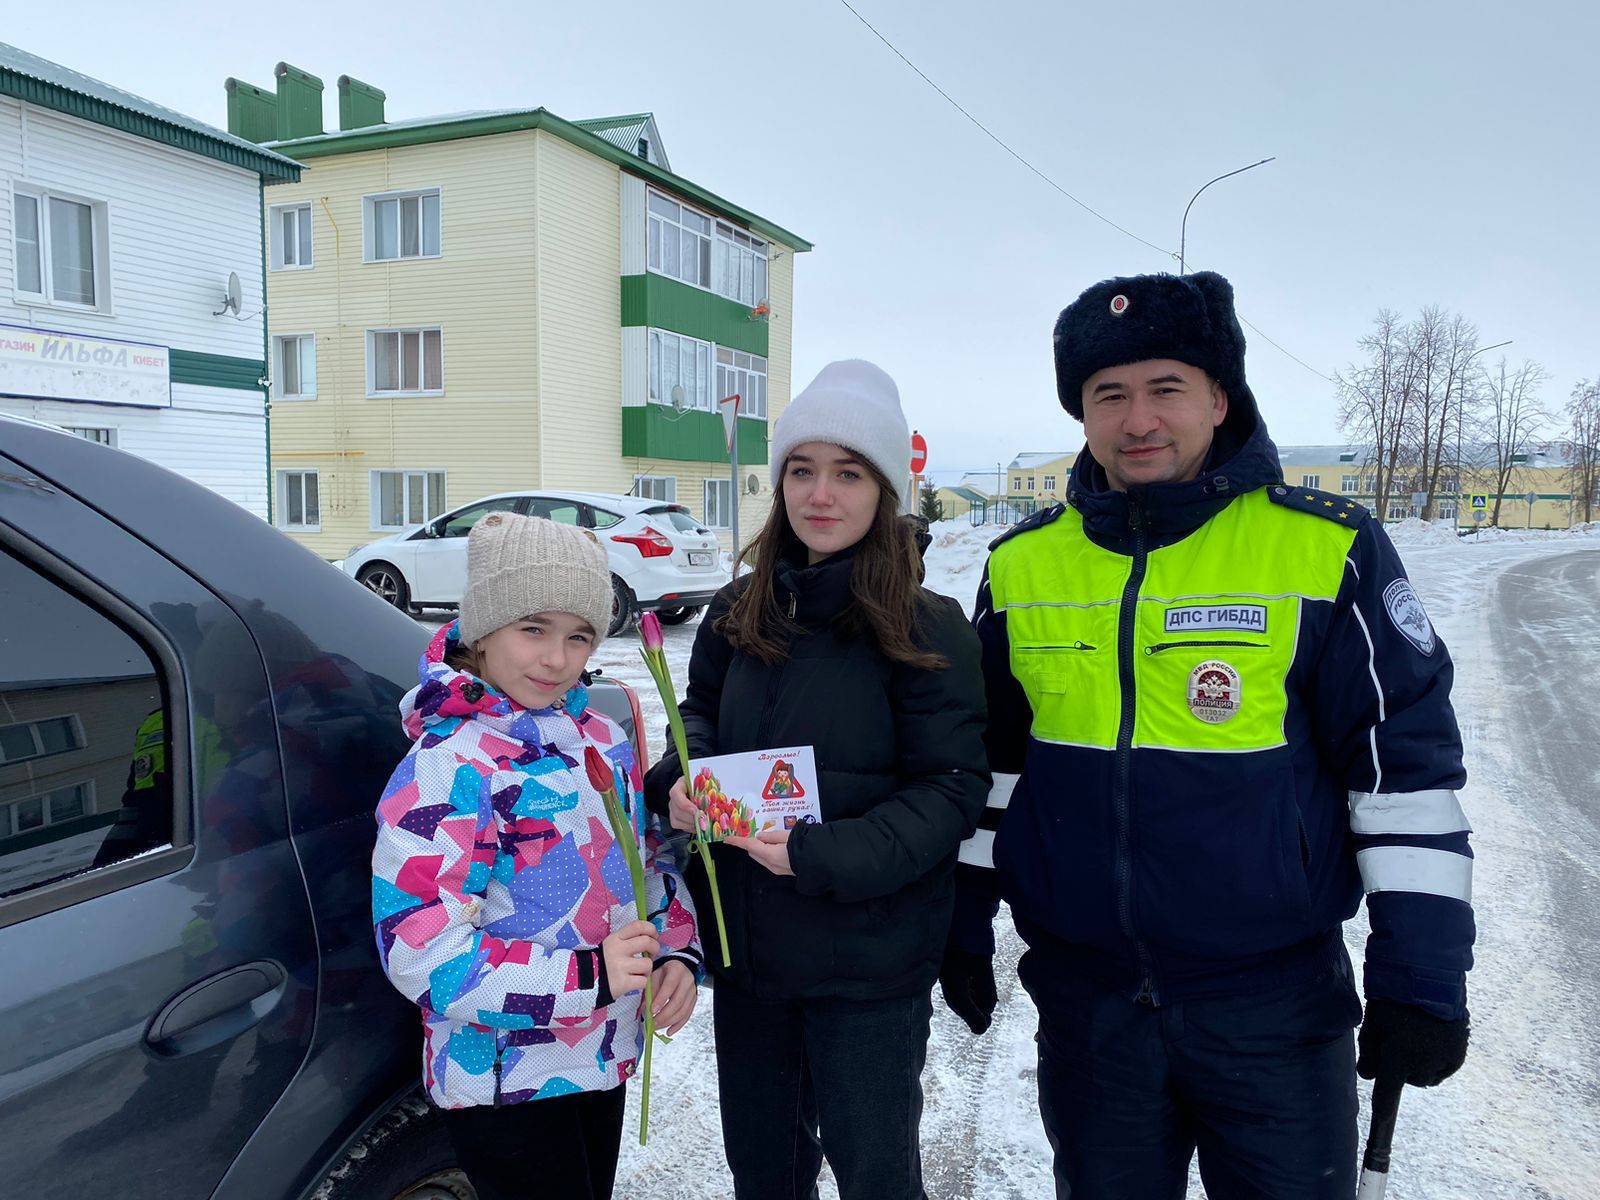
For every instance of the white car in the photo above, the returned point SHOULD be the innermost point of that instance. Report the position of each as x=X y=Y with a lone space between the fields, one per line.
x=662 y=559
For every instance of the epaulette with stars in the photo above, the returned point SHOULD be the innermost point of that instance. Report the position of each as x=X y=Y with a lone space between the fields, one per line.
x=1038 y=520
x=1330 y=506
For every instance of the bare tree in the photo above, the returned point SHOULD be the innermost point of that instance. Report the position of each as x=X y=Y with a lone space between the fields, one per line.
x=1583 y=449
x=1373 y=396
x=1439 y=345
x=1511 y=418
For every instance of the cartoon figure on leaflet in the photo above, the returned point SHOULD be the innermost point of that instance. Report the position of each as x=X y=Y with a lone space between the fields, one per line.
x=782 y=784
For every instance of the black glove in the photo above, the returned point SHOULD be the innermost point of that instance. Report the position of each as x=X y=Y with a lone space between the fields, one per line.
x=967 y=981
x=1405 y=1041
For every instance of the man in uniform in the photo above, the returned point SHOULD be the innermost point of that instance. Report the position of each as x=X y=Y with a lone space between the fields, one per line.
x=1218 y=713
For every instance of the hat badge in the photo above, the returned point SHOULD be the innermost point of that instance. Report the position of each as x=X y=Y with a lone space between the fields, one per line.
x=1119 y=305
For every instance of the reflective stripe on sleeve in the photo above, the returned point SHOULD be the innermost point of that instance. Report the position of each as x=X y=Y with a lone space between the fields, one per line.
x=1412 y=869
x=1000 y=793
x=1434 y=811
x=978 y=850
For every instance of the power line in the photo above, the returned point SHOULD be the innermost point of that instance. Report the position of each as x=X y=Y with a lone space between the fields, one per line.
x=1281 y=350
x=989 y=133
x=998 y=141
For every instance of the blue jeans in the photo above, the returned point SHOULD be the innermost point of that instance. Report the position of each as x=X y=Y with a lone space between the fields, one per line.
x=1263 y=1085
x=802 y=1079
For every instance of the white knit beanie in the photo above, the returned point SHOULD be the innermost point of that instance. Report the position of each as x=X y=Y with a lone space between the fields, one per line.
x=853 y=404
x=518 y=566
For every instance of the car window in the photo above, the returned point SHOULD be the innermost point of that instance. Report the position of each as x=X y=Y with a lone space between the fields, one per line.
x=562 y=512
x=84 y=747
x=462 y=522
x=680 y=520
x=603 y=518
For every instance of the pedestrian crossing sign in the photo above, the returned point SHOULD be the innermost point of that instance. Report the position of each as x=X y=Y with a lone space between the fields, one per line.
x=1480 y=501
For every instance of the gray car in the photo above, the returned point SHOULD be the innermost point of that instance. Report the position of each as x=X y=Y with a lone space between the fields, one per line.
x=196 y=719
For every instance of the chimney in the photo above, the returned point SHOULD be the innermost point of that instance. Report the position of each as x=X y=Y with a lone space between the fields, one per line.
x=252 y=111
x=360 y=104
x=299 y=103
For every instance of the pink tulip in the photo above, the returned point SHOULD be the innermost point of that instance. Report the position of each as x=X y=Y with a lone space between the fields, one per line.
x=650 y=631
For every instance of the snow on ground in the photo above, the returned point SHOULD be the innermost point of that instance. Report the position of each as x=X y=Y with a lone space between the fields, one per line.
x=1522 y=1119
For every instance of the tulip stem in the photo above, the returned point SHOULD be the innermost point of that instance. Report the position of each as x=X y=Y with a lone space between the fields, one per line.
x=656 y=661
x=622 y=829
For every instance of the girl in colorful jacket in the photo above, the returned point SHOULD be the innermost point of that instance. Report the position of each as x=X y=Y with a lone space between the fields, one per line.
x=501 y=900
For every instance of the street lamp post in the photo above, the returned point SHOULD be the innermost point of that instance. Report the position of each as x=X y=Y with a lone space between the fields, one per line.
x=1460 y=418
x=1183 y=232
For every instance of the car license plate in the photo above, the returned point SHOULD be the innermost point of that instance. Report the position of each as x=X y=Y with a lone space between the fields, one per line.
x=699 y=558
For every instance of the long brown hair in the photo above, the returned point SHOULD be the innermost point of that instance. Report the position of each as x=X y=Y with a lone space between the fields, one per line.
x=885 y=586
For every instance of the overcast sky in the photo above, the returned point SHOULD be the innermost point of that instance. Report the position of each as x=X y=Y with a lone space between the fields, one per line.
x=1427 y=153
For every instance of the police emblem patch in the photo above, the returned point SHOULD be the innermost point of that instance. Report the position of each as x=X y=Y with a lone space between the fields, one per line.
x=1119 y=305
x=1410 y=618
x=1214 y=692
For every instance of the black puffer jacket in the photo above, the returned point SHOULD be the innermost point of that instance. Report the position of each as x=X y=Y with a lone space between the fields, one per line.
x=902 y=777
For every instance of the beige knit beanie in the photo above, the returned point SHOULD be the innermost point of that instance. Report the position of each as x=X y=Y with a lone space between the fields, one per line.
x=518 y=566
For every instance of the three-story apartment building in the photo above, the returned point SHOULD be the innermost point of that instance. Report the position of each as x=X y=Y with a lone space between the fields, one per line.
x=493 y=301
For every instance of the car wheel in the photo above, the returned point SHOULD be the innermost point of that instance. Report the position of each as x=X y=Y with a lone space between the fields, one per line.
x=622 y=612
x=676 y=616
x=387 y=584
x=406 y=1155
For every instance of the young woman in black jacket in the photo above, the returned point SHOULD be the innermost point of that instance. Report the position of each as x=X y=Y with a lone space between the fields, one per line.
x=836 y=929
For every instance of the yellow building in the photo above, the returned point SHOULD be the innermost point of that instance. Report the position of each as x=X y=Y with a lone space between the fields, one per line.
x=1039 y=477
x=506 y=300
x=1541 y=473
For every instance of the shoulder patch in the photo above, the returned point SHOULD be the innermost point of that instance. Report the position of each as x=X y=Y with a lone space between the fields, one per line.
x=1038 y=521
x=1330 y=506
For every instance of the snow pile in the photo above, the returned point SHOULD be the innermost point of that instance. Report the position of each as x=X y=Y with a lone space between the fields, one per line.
x=1415 y=532
x=955 y=560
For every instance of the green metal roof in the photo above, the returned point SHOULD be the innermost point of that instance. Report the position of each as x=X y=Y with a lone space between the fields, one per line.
x=483 y=123
x=599 y=123
x=50 y=85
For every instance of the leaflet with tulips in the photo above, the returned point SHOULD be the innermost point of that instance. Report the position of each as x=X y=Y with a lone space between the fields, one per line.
x=742 y=795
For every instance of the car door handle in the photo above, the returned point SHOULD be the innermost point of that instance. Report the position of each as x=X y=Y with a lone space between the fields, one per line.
x=219 y=1007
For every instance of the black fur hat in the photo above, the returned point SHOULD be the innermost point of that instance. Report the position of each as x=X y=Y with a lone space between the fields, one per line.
x=1189 y=318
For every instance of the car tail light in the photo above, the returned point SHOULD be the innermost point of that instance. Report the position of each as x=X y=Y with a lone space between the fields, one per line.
x=641 y=741
x=650 y=542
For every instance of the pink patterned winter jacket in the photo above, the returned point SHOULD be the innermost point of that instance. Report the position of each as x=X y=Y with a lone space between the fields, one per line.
x=494 y=880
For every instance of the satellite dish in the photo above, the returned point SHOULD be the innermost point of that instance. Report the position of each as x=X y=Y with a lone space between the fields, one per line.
x=752 y=484
x=233 y=299
x=677 y=397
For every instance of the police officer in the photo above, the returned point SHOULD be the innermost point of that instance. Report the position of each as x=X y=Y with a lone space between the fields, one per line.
x=1218 y=713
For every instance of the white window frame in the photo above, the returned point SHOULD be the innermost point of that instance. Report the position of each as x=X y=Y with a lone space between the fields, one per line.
x=432 y=477
x=1311 y=481
x=73 y=723
x=656 y=487
x=285 y=482
x=10 y=826
x=369 y=224
x=1350 y=484
x=99 y=246
x=751 y=282
x=745 y=374
x=299 y=253
x=657 y=389
x=304 y=342
x=1398 y=511
x=399 y=333
x=1448 y=511
x=665 y=227
x=1049 y=483
x=102 y=435
x=1030 y=483
x=720 y=488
